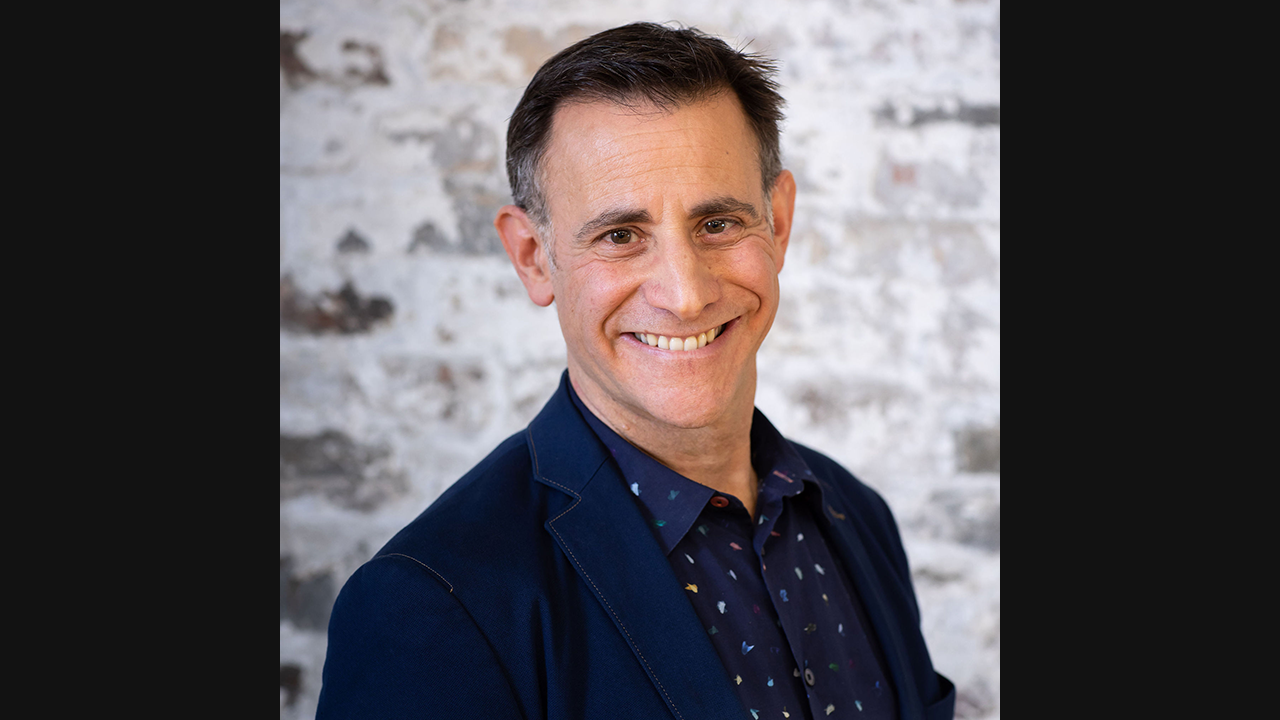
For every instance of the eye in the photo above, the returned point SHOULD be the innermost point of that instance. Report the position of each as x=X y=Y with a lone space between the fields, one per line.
x=619 y=237
x=715 y=227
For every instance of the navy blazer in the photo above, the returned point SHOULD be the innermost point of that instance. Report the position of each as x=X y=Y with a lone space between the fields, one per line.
x=533 y=588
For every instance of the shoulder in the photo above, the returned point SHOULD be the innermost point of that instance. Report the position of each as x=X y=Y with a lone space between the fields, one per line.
x=399 y=641
x=485 y=530
x=504 y=473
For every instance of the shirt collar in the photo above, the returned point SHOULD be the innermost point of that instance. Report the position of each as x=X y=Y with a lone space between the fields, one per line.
x=673 y=502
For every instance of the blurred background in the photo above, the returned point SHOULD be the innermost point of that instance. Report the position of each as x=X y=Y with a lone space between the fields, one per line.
x=409 y=349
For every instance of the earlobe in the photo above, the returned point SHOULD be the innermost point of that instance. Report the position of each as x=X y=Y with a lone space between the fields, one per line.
x=784 y=206
x=520 y=238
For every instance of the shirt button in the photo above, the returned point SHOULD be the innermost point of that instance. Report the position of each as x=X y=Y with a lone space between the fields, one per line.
x=720 y=501
x=808 y=676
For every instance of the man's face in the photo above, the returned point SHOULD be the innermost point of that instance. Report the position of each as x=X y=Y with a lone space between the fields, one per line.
x=661 y=228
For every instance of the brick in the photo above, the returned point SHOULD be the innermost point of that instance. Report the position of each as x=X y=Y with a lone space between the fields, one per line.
x=353 y=242
x=332 y=465
x=290 y=683
x=305 y=601
x=344 y=311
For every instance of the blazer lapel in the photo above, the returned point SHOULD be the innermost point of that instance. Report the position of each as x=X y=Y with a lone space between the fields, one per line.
x=605 y=536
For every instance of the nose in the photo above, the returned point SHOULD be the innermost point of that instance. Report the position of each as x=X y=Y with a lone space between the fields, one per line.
x=682 y=281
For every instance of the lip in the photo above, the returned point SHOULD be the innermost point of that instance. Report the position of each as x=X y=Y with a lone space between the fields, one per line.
x=725 y=329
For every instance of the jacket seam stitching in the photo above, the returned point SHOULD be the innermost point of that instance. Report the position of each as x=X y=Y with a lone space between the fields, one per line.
x=410 y=557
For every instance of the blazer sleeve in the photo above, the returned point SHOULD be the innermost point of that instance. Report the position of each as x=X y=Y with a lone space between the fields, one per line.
x=402 y=646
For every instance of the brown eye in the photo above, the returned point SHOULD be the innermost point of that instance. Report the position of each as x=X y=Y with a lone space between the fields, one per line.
x=716 y=227
x=620 y=237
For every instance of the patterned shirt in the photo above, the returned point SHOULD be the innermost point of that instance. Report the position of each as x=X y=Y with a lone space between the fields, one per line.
x=779 y=609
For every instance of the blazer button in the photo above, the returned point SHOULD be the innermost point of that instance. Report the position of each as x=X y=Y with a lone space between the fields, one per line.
x=808 y=676
x=720 y=501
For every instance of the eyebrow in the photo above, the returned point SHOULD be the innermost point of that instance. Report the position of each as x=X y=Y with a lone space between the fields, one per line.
x=616 y=216
x=628 y=216
x=724 y=205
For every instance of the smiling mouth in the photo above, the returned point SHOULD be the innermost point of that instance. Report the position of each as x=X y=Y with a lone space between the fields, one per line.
x=677 y=344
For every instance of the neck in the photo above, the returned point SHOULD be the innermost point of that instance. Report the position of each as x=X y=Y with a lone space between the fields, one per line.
x=717 y=454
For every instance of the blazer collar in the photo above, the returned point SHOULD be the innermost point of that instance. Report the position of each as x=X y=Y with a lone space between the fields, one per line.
x=604 y=535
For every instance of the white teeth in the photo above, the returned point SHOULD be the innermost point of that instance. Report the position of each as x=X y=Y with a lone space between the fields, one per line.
x=693 y=342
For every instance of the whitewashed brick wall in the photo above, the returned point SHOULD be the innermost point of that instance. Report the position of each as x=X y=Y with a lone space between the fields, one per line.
x=408 y=348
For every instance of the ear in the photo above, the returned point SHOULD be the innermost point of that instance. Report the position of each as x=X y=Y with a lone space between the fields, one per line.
x=784 y=207
x=520 y=238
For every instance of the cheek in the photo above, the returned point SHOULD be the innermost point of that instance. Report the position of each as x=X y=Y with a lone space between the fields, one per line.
x=754 y=271
x=588 y=295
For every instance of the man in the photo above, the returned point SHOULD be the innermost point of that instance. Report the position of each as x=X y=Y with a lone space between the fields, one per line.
x=650 y=547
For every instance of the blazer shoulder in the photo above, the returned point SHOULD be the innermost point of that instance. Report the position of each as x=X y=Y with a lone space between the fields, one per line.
x=399 y=642
x=490 y=518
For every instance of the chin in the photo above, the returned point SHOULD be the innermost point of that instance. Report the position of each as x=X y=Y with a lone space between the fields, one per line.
x=680 y=408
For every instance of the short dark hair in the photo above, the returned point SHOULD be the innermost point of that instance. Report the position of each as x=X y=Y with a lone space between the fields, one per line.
x=668 y=67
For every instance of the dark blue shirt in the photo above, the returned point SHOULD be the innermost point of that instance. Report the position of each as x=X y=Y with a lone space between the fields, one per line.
x=779 y=609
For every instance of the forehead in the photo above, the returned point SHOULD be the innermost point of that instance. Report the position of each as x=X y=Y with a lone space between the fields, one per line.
x=602 y=154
